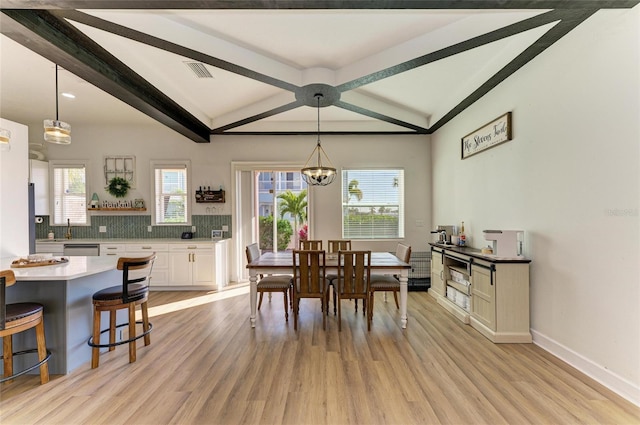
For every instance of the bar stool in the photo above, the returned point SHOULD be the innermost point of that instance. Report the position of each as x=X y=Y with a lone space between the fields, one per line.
x=133 y=291
x=16 y=318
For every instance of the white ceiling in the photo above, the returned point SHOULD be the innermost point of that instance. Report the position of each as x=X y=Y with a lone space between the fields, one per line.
x=294 y=47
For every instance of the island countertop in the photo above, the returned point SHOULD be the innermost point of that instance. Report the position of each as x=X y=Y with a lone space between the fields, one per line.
x=76 y=267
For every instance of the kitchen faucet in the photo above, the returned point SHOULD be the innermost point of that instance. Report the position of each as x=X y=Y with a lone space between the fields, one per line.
x=68 y=234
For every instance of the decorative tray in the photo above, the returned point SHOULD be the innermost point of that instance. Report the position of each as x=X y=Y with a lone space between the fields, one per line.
x=37 y=262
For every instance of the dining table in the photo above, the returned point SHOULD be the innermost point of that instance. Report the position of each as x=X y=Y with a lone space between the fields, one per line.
x=282 y=263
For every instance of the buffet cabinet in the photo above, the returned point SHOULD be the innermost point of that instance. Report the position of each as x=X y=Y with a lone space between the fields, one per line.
x=489 y=294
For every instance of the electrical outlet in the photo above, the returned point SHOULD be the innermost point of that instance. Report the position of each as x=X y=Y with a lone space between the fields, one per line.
x=102 y=229
x=193 y=229
x=148 y=228
x=225 y=228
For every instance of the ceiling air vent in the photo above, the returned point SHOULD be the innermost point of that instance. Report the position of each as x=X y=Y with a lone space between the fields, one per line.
x=199 y=69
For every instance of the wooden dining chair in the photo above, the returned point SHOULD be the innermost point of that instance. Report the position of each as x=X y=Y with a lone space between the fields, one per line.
x=387 y=282
x=134 y=290
x=271 y=283
x=16 y=318
x=333 y=247
x=309 y=280
x=352 y=283
x=307 y=245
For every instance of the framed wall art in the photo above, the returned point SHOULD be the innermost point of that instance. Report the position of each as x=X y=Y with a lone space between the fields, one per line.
x=489 y=135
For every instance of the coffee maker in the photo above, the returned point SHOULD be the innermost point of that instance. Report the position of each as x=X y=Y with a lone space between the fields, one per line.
x=506 y=243
x=444 y=234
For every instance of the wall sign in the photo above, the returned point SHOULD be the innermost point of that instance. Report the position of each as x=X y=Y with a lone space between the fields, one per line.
x=492 y=134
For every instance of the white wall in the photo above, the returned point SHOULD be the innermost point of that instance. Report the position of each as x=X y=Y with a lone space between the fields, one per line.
x=211 y=165
x=570 y=179
x=14 y=180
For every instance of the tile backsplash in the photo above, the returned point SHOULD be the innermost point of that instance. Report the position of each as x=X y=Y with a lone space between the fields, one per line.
x=135 y=227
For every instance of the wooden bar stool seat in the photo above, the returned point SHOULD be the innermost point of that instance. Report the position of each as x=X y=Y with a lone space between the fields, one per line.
x=133 y=291
x=16 y=318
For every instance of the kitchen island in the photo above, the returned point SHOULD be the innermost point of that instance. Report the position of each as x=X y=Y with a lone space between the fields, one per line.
x=66 y=291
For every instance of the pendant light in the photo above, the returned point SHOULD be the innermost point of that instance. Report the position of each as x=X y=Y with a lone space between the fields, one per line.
x=5 y=138
x=56 y=131
x=318 y=174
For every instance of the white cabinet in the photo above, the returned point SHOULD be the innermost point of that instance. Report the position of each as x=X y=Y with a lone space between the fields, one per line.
x=437 y=289
x=55 y=248
x=160 y=271
x=112 y=249
x=191 y=264
x=39 y=176
x=491 y=295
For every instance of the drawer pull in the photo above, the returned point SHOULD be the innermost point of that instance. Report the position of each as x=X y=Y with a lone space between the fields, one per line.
x=146 y=247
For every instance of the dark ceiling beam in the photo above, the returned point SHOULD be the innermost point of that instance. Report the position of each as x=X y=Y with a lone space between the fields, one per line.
x=53 y=38
x=380 y=117
x=544 y=42
x=177 y=49
x=463 y=46
x=322 y=133
x=258 y=117
x=318 y=4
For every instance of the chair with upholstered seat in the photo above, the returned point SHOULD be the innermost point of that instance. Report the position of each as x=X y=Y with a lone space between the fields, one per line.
x=134 y=290
x=352 y=282
x=16 y=318
x=387 y=282
x=309 y=280
x=306 y=245
x=333 y=247
x=271 y=283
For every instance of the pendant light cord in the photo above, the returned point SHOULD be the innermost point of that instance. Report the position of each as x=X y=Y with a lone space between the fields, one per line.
x=57 y=92
x=318 y=96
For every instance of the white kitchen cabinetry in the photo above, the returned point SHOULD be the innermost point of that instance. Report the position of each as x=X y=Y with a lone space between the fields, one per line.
x=160 y=270
x=39 y=176
x=55 y=248
x=191 y=264
x=113 y=249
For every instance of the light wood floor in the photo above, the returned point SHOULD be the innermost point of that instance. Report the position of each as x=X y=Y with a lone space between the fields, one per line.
x=205 y=365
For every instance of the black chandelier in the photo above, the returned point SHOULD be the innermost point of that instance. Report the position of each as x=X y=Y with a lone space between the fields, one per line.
x=318 y=174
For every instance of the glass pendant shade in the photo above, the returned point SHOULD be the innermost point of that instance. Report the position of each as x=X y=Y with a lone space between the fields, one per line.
x=57 y=132
x=5 y=138
x=317 y=174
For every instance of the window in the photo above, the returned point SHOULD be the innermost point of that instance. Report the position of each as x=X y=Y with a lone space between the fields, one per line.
x=171 y=195
x=69 y=186
x=373 y=204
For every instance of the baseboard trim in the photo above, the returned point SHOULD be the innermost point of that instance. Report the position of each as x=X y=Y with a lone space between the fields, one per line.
x=615 y=383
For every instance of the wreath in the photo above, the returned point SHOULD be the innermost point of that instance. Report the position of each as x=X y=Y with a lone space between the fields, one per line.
x=118 y=187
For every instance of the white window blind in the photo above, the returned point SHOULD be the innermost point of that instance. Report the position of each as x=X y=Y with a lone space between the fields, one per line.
x=373 y=204
x=171 y=204
x=69 y=194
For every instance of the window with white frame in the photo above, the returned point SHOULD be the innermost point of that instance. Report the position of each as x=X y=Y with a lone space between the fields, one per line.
x=171 y=193
x=69 y=187
x=373 y=204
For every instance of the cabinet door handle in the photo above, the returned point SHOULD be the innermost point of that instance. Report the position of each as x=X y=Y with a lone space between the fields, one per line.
x=194 y=257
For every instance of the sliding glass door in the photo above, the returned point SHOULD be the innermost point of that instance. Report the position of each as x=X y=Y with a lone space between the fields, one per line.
x=281 y=199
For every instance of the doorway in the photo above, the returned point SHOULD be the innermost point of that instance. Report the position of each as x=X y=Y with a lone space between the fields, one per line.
x=264 y=191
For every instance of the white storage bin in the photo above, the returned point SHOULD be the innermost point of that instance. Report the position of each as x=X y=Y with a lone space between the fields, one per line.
x=462 y=300
x=451 y=293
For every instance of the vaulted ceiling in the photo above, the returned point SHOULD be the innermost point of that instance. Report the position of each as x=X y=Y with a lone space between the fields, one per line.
x=207 y=68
